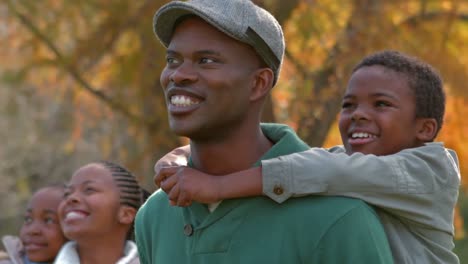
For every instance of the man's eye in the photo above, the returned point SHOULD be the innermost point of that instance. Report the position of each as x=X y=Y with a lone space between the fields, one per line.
x=206 y=60
x=345 y=105
x=171 y=60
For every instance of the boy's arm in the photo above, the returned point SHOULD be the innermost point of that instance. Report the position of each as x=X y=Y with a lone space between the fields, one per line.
x=419 y=184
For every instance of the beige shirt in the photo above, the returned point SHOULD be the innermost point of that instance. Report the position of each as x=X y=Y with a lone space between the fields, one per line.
x=413 y=191
x=14 y=250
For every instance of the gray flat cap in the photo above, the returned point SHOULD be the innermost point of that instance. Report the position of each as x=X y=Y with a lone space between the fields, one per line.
x=239 y=19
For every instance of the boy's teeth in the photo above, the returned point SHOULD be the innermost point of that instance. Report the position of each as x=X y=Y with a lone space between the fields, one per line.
x=362 y=135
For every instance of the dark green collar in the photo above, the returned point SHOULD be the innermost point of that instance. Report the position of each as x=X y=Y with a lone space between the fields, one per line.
x=286 y=142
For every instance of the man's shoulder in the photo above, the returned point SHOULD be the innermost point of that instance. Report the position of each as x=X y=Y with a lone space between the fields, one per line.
x=156 y=199
x=330 y=208
x=157 y=202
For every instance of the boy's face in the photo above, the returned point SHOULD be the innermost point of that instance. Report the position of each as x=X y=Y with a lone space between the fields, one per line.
x=41 y=234
x=207 y=80
x=378 y=113
x=91 y=204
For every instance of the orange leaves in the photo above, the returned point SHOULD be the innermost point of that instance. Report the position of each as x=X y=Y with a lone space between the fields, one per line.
x=455 y=132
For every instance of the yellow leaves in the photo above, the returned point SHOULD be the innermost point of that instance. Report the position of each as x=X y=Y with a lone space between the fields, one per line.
x=69 y=147
x=455 y=132
x=23 y=187
x=313 y=29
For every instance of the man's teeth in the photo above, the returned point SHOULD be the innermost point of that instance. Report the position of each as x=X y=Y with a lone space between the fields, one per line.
x=181 y=100
x=362 y=135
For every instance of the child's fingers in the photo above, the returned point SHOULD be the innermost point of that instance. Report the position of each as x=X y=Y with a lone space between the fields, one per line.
x=168 y=184
x=174 y=194
x=163 y=174
x=184 y=199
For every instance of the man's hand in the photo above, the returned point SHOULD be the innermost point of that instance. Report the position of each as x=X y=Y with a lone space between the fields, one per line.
x=184 y=185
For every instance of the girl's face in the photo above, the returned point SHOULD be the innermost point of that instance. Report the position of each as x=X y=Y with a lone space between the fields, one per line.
x=41 y=234
x=91 y=204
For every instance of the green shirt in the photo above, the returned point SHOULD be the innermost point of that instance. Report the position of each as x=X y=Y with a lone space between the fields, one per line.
x=414 y=192
x=258 y=230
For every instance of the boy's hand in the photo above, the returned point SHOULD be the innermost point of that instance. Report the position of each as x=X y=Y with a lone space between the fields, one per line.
x=184 y=185
x=177 y=157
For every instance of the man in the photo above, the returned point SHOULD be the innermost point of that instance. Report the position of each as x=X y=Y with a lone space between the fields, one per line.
x=223 y=58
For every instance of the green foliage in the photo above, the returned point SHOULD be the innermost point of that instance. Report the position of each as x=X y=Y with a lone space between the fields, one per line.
x=13 y=77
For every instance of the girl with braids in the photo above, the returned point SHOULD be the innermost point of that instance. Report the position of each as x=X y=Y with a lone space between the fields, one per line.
x=97 y=214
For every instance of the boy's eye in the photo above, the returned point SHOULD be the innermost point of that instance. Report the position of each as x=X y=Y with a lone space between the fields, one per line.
x=382 y=104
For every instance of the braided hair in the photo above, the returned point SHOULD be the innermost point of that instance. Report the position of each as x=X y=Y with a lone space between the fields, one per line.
x=131 y=194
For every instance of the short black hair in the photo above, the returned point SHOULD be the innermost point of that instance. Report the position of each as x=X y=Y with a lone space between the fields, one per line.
x=423 y=79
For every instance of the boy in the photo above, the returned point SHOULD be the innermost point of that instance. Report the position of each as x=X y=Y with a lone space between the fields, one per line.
x=393 y=108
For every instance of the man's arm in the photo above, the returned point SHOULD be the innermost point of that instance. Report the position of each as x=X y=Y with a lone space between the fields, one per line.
x=419 y=184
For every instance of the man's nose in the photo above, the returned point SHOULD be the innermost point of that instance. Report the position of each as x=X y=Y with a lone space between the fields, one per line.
x=184 y=73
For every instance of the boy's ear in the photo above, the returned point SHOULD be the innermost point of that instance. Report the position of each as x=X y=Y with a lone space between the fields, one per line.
x=427 y=129
x=126 y=214
x=261 y=84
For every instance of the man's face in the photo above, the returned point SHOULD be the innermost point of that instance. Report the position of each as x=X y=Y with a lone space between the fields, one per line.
x=207 y=81
x=378 y=113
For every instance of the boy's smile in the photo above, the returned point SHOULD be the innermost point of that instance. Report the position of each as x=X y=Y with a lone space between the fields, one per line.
x=378 y=114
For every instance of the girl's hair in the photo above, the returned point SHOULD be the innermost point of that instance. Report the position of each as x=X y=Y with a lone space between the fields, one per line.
x=131 y=194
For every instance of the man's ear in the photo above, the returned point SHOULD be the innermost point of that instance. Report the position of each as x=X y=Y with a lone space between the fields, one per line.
x=261 y=84
x=427 y=129
x=126 y=214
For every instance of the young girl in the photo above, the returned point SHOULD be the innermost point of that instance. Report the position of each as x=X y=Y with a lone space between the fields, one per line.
x=40 y=236
x=392 y=110
x=97 y=213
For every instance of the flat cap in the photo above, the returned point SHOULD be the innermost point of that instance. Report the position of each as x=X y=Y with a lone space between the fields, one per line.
x=240 y=19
